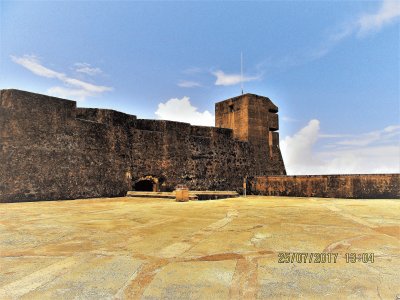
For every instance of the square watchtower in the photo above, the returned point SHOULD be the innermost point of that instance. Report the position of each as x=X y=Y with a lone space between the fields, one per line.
x=254 y=119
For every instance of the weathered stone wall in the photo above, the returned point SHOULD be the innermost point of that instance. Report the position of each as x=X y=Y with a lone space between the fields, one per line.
x=50 y=149
x=47 y=153
x=200 y=157
x=372 y=186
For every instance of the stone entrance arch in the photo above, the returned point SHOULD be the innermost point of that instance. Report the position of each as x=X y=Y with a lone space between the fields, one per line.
x=146 y=184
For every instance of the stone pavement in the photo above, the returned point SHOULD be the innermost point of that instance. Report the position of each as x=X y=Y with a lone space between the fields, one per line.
x=148 y=248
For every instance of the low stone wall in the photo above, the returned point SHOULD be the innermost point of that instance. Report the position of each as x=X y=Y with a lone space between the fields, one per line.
x=371 y=186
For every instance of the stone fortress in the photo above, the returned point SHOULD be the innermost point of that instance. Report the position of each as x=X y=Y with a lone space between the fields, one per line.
x=51 y=149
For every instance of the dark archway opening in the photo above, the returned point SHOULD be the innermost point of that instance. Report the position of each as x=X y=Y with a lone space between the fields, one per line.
x=144 y=185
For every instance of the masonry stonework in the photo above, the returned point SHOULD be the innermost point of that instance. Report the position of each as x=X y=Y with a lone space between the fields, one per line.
x=50 y=149
x=362 y=186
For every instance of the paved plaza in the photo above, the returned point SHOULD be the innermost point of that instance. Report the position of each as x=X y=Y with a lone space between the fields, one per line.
x=240 y=248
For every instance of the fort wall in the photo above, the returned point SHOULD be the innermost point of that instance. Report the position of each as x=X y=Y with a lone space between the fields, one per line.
x=47 y=153
x=371 y=186
x=50 y=149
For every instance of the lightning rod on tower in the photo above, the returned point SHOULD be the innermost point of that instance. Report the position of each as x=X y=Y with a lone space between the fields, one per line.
x=241 y=70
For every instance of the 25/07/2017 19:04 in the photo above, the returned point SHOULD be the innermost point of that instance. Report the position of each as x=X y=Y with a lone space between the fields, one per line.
x=304 y=257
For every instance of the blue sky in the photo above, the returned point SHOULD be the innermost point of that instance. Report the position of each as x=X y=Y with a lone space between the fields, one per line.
x=332 y=67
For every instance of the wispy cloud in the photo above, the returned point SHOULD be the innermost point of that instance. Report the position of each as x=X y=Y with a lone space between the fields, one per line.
x=377 y=151
x=231 y=79
x=392 y=129
x=364 y=24
x=32 y=63
x=75 y=88
x=193 y=70
x=387 y=13
x=188 y=84
x=362 y=140
x=182 y=110
x=333 y=136
x=69 y=93
x=87 y=69
x=359 y=26
x=288 y=119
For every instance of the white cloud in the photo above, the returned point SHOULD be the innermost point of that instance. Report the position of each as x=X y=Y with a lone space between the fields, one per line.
x=372 y=152
x=182 y=110
x=32 y=63
x=232 y=79
x=322 y=136
x=87 y=69
x=188 y=84
x=361 y=25
x=371 y=159
x=193 y=70
x=392 y=128
x=75 y=88
x=297 y=150
x=362 y=140
x=387 y=13
x=69 y=93
x=288 y=119
x=86 y=86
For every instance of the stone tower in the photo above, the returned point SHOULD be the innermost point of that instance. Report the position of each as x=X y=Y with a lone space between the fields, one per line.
x=254 y=119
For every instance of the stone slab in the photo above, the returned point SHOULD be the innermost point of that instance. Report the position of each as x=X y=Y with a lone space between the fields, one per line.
x=151 y=248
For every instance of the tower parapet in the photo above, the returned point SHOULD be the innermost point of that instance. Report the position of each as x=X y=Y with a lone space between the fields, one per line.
x=254 y=119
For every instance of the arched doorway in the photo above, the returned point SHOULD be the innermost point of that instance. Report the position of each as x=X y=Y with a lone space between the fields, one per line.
x=146 y=184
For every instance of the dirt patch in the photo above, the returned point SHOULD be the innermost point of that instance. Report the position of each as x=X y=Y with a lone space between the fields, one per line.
x=257 y=226
x=220 y=256
x=136 y=288
x=389 y=230
x=262 y=252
